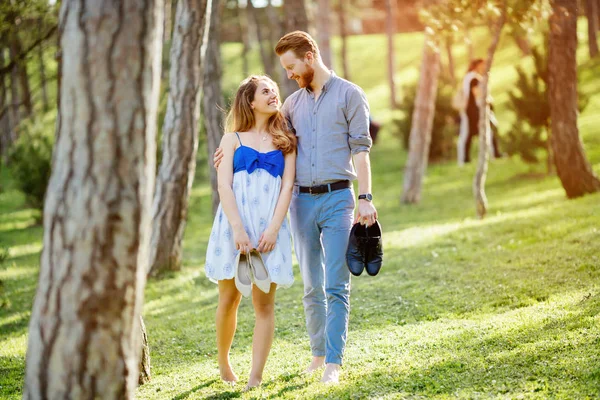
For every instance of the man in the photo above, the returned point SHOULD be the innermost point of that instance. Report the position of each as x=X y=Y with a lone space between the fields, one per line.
x=330 y=117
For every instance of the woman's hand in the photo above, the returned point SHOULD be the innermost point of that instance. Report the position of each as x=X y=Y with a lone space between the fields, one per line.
x=267 y=240
x=242 y=240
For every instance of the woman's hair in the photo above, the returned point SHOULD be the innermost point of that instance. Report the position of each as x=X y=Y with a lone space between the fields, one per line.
x=299 y=42
x=475 y=63
x=241 y=115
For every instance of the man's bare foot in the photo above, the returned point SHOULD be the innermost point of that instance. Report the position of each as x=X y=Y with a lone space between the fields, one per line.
x=331 y=374
x=317 y=363
x=227 y=375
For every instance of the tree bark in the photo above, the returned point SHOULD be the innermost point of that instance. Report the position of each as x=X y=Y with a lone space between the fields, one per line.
x=15 y=98
x=390 y=6
x=145 y=374
x=422 y=122
x=5 y=129
x=344 y=37
x=485 y=131
x=523 y=44
x=84 y=333
x=573 y=169
x=45 y=103
x=295 y=19
x=265 y=54
x=21 y=70
x=244 y=36
x=213 y=101
x=450 y=55
x=591 y=11
x=275 y=33
x=324 y=33
x=180 y=138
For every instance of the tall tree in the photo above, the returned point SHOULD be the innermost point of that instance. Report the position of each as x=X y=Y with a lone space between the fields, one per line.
x=422 y=122
x=592 y=13
x=84 y=337
x=212 y=96
x=324 y=33
x=42 y=69
x=276 y=31
x=180 y=138
x=265 y=53
x=344 y=38
x=23 y=76
x=572 y=166
x=242 y=19
x=296 y=19
x=484 y=119
x=390 y=7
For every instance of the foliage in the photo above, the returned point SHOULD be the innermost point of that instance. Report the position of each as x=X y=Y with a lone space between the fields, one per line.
x=30 y=158
x=529 y=101
x=445 y=127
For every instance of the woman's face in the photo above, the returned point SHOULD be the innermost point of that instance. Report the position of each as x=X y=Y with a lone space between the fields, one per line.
x=266 y=98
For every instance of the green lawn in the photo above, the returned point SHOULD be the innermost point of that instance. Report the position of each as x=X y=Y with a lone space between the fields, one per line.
x=502 y=308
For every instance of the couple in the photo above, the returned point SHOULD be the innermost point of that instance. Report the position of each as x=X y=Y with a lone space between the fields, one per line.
x=297 y=156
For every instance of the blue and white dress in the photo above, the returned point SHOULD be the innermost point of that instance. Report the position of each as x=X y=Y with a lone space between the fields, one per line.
x=256 y=186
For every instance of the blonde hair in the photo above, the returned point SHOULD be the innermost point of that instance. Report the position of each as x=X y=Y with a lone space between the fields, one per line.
x=241 y=116
x=299 y=42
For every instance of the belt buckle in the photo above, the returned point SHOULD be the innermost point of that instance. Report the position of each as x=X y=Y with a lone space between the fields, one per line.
x=310 y=190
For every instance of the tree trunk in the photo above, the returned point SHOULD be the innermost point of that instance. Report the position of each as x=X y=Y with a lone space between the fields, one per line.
x=213 y=97
x=265 y=54
x=45 y=103
x=15 y=98
x=469 y=45
x=295 y=19
x=21 y=68
x=324 y=33
x=485 y=131
x=180 y=138
x=572 y=166
x=451 y=68
x=422 y=122
x=5 y=129
x=390 y=6
x=344 y=37
x=84 y=333
x=275 y=33
x=523 y=44
x=244 y=36
x=145 y=374
x=591 y=10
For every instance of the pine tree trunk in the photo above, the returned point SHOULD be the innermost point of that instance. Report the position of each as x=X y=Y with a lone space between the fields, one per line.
x=295 y=19
x=21 y=68
x=451 y=68
x=180 y=138
x=344 y=37
x=244 y=36
x=42 y=70
x=422 y=123
x=572 y=166
x=213 y=98
x=485 y=131
x=591 y=10
x=324 y=33
x=145 y=374
x=390 y=6
x=84 y=333
x=265 y=54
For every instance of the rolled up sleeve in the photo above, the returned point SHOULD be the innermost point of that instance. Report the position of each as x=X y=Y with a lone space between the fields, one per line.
x=358 y=121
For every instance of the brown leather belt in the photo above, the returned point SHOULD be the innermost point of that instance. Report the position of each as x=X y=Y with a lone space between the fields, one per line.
x=330 y=187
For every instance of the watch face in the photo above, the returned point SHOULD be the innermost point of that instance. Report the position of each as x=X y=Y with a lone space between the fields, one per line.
x=367 y=197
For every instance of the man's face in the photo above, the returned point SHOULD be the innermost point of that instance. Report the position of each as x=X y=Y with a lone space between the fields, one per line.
x=297 y=69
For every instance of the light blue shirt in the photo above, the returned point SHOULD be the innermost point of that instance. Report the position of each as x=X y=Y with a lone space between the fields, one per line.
x=329 y=131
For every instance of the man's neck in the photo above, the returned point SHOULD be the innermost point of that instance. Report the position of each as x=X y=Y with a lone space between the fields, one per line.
x=322 y=74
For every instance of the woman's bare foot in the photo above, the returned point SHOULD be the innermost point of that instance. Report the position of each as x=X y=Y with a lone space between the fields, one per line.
x=317 y=363
x=252 y=383
x=227 y=375
x=331 y=374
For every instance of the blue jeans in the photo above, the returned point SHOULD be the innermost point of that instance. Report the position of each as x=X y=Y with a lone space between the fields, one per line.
x=321 y=227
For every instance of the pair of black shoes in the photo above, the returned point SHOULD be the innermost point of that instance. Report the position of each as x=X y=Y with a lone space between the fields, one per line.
x=365 y=250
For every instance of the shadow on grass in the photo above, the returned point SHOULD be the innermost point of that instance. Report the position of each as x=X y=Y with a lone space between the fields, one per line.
x=186 y=394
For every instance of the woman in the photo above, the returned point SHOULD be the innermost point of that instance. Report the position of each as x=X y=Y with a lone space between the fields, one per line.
x=469 y=115
x=250 y=239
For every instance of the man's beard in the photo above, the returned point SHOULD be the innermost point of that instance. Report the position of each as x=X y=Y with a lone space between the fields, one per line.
x=307 y=77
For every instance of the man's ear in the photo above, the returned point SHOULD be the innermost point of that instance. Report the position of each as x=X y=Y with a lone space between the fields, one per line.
x=310 y=57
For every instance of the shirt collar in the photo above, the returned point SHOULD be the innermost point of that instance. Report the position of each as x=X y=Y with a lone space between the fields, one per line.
x=327 y=83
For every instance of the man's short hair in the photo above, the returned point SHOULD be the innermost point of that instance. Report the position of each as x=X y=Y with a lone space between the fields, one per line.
x=299 y=42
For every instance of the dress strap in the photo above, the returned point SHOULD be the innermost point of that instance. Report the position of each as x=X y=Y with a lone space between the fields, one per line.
x=236 y=134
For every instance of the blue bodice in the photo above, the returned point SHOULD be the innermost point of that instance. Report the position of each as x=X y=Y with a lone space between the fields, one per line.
x=248 y=159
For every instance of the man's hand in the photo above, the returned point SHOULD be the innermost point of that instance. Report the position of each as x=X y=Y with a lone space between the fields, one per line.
x=367 y=214
x=218 y=157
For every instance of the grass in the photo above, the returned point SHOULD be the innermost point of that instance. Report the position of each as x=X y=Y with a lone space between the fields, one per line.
x=507 y=307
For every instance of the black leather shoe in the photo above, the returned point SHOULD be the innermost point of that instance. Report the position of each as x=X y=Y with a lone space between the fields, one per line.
x=373 y=249
x=355 y=256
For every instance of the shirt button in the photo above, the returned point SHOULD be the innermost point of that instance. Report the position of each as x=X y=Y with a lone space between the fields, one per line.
x=313 y=165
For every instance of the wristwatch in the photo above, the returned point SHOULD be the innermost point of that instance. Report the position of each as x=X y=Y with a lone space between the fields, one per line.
x=367 y=197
